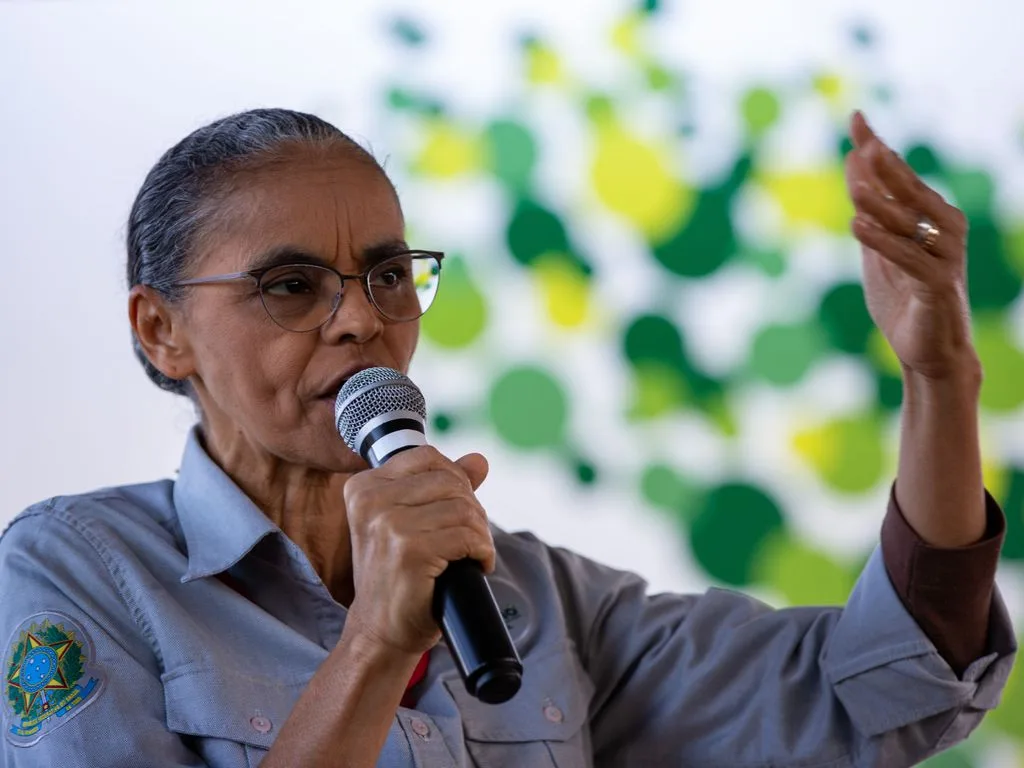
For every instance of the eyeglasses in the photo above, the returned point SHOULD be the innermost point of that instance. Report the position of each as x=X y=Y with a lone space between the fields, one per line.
x=303 y=297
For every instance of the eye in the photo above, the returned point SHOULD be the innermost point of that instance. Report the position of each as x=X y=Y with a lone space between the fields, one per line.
x=392 y=275
x=294 y=284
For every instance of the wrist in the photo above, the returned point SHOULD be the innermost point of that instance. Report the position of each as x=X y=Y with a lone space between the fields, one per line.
x=371 y=653
x=961 y=386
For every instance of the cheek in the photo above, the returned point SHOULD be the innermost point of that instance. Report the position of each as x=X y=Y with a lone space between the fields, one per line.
x=252 y=363
x=401 y=343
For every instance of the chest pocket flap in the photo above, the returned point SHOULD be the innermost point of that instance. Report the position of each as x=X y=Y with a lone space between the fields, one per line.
x=228 y=704
x=552 y=704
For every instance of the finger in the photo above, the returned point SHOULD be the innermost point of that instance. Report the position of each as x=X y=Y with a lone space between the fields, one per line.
x=883 y=210
x=476 y=468
x=422 y=458
x=456 y=543
x=447 y=483
x=858 y=168
x=907 y=187
x=860 y=131
x=905 y=254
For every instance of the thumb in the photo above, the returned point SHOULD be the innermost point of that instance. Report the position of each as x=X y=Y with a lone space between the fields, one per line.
x=475 y=466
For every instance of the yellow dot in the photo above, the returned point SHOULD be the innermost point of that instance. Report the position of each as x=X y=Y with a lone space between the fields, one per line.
x=625 y=35
x=634 y=179
x=449 y=151
x=565 y=289
x=543 y=66
x=829 y=85
x=813 y=197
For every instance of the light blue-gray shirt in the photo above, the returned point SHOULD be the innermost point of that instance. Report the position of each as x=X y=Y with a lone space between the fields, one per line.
x=126 y=646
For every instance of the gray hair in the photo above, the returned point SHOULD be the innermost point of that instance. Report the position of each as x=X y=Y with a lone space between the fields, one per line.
x=176 y=200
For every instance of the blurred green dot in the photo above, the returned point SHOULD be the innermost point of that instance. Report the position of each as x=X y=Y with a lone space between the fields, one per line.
x=845 y=145
x=845 y=319
x=1013 y=508
x=707 y=239
x=408 y=31
x=459 y=313
x=889 y=389
x=1003 y=363
x=802 y=574
x=730 y=528
x=761 y=109
x=782 y=354
x=586 y=473
x=991 y=282
x=1015 y=248
x=512 y=152
x=847 y=453
x=972 y=189
x=1008 y=717
x=863 y=35
x=650 y=6
x=529 y=408
x=923 y=159
x=657 y=391
x=954 y=758
x=771 y=261
x=658 y=78
x=441 y=422
x=599 y=108
x=653 y=338
x=661 y=486
x=883 y=93
x=534 y=231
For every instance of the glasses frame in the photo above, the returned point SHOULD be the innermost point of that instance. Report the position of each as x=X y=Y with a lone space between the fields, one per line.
x=257 y=275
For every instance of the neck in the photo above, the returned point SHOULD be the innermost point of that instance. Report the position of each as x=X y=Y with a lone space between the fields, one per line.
x=307 y=504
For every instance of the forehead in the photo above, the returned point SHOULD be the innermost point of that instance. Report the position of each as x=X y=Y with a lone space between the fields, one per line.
x=328 y=202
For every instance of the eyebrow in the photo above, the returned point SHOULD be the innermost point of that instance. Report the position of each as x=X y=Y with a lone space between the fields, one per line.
x=291 y=254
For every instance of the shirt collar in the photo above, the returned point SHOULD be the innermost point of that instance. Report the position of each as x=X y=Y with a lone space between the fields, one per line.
x=220 y=523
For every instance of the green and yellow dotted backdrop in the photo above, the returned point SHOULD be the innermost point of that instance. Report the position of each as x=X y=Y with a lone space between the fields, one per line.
x=651 y=316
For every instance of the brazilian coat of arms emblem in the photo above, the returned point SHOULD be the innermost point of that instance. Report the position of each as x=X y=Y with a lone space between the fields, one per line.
x=48 y=675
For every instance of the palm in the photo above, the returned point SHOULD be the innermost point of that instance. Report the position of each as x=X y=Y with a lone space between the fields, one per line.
x=902 y=307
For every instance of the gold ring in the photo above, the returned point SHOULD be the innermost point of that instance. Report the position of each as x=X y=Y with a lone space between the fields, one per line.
x=927 y=234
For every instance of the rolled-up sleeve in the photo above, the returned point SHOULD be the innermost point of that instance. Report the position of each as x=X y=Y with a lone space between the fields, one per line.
x=721 y=679
x=62 y=618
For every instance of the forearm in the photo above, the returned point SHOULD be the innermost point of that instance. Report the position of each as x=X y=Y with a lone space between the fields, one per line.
x=939 y=487
x=343 y=717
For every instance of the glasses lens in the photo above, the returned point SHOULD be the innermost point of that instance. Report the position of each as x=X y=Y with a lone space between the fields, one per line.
x=300 y=297
x=403 y=288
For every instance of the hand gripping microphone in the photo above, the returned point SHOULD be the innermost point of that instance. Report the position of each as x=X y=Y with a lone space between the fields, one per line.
x=378 y=413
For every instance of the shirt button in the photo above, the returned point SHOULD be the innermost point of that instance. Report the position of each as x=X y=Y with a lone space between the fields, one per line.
x=553 y=713
x=261 y=724
x=420 y=728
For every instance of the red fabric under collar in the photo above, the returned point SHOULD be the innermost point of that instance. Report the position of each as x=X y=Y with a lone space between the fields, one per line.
x=409 y=700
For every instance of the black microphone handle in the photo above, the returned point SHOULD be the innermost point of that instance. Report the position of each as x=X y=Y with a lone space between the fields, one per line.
x=479 y=642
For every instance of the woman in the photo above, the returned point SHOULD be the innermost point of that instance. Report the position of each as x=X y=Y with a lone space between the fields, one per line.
x=272 y=604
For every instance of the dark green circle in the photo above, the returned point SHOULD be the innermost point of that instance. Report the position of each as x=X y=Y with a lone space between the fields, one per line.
x=844 y=316
x=732 y=524
x=442 y=422
x=586 y=473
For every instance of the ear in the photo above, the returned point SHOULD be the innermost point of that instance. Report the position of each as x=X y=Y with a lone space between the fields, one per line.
x=160 y=332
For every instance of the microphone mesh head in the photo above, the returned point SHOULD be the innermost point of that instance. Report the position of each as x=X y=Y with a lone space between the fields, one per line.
x=370 y=393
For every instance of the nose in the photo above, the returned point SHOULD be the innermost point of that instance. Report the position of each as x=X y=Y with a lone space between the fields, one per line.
x=355 y=319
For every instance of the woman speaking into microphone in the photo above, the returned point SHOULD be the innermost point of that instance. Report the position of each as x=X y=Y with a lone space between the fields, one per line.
x=273 y=604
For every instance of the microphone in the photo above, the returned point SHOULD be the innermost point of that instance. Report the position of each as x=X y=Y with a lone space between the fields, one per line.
x=379 y=413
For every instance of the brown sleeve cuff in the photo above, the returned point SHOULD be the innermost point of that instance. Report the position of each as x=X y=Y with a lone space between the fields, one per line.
x=947 y=591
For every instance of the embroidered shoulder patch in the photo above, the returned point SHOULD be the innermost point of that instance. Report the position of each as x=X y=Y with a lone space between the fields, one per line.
x=50 y=675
